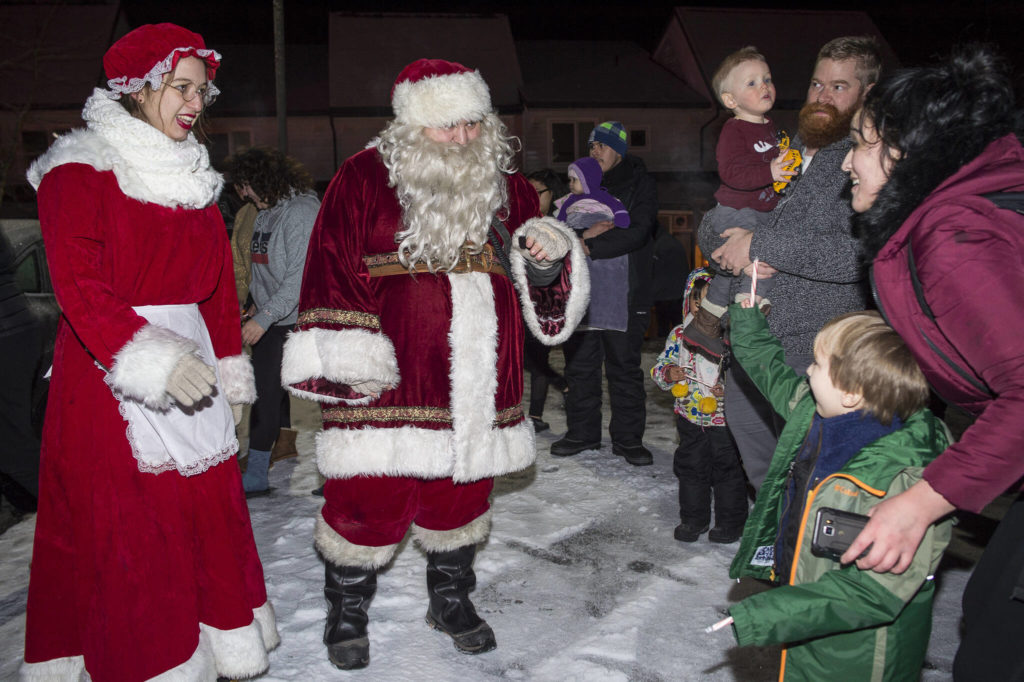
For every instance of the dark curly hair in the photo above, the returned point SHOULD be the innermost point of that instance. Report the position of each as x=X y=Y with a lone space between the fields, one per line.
x=271 y=175
x=931 y=122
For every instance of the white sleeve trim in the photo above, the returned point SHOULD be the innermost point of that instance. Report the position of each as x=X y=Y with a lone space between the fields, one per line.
x=345 y=356
x=579 y=279
x=143 y=365
x=237 y=379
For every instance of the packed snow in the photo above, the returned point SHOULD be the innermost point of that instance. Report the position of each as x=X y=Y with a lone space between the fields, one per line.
x=581 y=578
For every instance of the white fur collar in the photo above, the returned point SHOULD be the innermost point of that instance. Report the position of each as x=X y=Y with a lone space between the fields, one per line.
x=148 y=165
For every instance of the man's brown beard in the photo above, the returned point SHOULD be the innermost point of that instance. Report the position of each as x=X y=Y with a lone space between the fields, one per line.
x=817 y=131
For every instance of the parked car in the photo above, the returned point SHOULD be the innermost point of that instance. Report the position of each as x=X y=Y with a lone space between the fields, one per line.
x=33 y=277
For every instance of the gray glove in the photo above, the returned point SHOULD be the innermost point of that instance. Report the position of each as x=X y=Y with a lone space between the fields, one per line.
x=190 y=381
x=553 y=241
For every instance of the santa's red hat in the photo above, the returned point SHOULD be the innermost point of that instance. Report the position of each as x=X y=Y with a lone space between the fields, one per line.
x=436 y=93
x=144 y=55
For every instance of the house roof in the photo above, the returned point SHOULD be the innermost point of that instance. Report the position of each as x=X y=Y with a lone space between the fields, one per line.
x=368 y=51
x=697 y=39
x=602 y=73
x=51 y=56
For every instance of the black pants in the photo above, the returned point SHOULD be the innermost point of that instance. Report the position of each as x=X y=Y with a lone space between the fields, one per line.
x=541 y=372
x=620 y=353
x=993 y=627
x=705 y=461
x=272 y=409
x=19 y=447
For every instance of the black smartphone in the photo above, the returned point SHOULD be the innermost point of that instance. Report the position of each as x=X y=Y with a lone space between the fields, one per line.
x=522 y=242
x=834 y=532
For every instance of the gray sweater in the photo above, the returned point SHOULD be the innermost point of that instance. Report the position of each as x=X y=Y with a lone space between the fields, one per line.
x=280 y=238
x=808 y=240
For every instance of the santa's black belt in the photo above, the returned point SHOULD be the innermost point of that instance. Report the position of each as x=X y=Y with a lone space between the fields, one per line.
x=384 y=264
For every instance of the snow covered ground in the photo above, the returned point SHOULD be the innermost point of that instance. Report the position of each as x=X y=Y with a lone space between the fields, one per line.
x=581 y=579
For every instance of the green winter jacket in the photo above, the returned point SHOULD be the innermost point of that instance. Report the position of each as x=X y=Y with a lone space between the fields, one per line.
x=837 y=622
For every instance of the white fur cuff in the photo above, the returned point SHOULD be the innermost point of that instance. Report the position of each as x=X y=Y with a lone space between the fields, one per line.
x=579 y=279
x=341 y=552
x=346 y=356
x=237 y=379
x=142 y=367
x=473 y=533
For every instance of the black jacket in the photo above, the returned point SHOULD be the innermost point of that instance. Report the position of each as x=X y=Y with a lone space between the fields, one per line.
x=630 y=183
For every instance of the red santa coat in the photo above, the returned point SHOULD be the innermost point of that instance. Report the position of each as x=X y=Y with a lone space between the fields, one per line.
x=451 y=344
x=135 y=574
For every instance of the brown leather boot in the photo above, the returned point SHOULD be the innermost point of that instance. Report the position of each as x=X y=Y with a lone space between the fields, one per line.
x=284 y=446
x=705 y=332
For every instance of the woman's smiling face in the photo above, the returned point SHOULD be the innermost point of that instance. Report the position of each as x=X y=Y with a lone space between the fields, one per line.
x=166 y=109
x=867 y=163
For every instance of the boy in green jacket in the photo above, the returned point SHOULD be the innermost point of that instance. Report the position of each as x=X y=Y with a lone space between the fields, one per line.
x=856 y=431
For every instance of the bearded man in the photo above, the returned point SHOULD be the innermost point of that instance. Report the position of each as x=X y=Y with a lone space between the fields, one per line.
x=807 y=242
x=410 y=335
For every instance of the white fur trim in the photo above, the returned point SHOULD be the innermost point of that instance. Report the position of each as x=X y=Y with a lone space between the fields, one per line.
x=345 y=356
x=344 y=453
x=242 y=652
x=473 y=533
x=439 y=101
x=68 y=668
x=237 y=379
x=473 y=339
x=200 y=666
x=144 y=364
x=579 y=296
x=267 y=620
x=148 y=165
x=341 y=552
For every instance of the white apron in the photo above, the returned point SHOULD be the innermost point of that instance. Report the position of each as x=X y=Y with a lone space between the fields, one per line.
x=189 y=441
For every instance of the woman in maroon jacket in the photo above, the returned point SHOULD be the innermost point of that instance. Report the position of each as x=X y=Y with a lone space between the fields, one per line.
x=934 y=159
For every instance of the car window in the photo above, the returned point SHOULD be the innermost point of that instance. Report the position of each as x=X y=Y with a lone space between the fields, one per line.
x=27 y=274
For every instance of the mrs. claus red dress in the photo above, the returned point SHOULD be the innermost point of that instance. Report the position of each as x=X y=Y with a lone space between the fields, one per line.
x=137 y=575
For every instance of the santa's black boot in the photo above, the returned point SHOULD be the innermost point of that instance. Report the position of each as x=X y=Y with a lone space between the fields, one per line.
x=450 y=579
x=349 y=590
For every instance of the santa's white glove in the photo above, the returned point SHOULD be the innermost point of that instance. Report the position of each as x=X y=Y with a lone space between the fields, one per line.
x=374 y=388
x=236 y=413
x=552 y=241
x=190 y=381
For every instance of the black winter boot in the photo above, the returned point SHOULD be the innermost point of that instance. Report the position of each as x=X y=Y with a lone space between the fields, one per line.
x=349 y=590
x=450 y=579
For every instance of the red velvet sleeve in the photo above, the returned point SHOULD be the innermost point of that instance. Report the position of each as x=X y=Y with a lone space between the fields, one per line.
x=338 y=341
x=70 y=197
x=220 y=311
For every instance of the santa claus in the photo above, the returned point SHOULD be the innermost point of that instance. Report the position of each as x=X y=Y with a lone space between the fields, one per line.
x=426 y=257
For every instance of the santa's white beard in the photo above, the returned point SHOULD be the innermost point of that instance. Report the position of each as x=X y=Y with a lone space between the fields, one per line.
x=449 y=193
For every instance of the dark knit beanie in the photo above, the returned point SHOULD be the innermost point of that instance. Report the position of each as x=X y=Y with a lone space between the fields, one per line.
x=612 y=134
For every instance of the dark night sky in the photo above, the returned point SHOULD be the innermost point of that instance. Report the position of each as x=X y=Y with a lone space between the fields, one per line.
x=918 y=30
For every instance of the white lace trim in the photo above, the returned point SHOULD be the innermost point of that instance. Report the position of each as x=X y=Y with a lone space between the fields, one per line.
x=206 y=462
x=123 y=85
x=171 y=439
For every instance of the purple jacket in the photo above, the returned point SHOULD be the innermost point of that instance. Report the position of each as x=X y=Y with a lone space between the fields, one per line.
x=590 y=175
x=969 y=258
